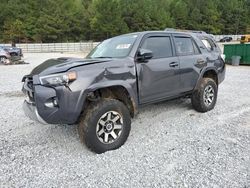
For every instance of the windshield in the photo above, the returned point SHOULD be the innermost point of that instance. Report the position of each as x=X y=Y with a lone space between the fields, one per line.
x=117 y=47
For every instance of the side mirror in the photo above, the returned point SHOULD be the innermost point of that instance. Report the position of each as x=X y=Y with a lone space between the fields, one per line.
x=144 y=54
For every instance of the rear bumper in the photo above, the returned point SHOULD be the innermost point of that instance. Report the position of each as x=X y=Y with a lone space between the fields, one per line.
x=222 y=74
x=30 y=111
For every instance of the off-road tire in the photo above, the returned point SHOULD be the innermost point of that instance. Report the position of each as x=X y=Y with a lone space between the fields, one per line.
x=197 y=98
x=88 y=124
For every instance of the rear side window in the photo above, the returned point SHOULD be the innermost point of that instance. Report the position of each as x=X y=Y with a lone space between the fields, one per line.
x=160 y=46
x=185 y=46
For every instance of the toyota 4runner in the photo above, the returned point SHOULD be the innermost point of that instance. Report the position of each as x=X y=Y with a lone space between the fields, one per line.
x=103 y=91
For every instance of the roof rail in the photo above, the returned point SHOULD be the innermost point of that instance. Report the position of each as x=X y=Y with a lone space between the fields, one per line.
x=184 y=30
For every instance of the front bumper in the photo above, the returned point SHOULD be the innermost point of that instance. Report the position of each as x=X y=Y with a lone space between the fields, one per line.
x=52 y=105
x=15 y=58
x=30 y=111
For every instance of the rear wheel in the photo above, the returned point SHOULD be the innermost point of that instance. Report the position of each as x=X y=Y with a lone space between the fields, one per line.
x=205 y=97
x=105 y=126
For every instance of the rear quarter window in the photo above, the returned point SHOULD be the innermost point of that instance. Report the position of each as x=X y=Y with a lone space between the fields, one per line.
x=206 y=44
x=209 y=44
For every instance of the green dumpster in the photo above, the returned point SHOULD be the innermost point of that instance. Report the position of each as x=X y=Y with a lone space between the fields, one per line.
x=242 y=50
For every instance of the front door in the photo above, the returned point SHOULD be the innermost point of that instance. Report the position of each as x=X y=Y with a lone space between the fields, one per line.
x=158 y=78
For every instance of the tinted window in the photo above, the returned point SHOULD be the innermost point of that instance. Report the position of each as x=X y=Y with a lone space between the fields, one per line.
x=210 y=45
x=207 y=44
x=184 y=46
x=213 y=43
x=160 y=46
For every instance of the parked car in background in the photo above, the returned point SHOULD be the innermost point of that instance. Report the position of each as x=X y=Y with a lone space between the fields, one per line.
x=226 y=39
x=4 y=56
x=244 y=39
x=14 y=51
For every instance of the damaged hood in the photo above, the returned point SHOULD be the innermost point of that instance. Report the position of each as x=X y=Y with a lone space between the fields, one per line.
x=52 y=66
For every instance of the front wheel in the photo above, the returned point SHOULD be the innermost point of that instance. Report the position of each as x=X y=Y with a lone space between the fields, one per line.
x=205 y=97
x=3 y=60
x=105 y=125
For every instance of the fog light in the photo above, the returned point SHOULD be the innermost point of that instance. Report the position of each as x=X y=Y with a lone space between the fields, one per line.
x=52 y=103
x=55 y=102
x=49 y=104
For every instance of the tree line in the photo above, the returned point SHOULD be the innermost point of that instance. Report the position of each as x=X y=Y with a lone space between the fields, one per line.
x=81 y=20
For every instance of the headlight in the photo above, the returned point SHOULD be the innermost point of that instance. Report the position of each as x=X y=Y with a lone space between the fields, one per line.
x=58 y=79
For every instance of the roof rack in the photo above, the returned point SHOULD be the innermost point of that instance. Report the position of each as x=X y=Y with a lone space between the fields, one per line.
x=184 y=30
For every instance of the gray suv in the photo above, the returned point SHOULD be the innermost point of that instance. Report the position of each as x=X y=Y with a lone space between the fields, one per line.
x=104 y=91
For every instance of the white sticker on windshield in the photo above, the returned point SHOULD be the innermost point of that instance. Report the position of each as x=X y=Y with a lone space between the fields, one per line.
x=123 y=46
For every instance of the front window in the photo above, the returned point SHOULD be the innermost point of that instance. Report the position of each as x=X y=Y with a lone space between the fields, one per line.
x=160 y=46
x=116 y=47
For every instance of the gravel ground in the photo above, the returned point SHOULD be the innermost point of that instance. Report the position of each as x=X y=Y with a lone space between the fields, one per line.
x=170 y=144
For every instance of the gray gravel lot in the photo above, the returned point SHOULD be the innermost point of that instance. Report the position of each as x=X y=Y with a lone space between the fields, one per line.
x=170 y=144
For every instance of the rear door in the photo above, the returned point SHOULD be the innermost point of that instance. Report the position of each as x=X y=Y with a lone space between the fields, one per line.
x=191 y=61
x=158 y=78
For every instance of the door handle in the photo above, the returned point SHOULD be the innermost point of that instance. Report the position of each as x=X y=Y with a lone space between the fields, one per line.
x=174 y=64
x=201 y=61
